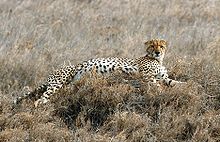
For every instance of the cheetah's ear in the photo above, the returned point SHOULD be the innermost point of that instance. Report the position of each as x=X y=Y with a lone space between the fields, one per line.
x=164 y=42
x=147 y=43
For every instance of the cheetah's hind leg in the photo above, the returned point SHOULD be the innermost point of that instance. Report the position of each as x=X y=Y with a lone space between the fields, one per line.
x=33 y=95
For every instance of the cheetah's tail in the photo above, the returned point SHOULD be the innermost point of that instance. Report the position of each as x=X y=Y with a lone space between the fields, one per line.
x=31 y=95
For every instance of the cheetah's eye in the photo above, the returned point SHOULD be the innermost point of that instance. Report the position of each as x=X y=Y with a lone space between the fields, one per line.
x=162 y=47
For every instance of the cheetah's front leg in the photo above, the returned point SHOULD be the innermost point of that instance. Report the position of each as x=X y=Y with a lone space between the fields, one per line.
x=163 y=76
x=171 y=82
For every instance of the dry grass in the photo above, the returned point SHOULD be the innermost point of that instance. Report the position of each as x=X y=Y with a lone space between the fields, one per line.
x=37 y=36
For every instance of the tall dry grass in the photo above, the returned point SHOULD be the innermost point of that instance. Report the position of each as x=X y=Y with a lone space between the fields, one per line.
x=37 y=36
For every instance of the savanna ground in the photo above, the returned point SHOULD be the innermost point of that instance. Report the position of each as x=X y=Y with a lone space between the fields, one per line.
x=38 y=36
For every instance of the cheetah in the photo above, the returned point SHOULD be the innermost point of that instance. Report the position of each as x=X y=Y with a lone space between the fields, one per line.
x=149 y=67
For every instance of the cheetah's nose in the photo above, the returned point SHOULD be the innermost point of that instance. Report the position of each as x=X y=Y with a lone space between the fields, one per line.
x=157 y=53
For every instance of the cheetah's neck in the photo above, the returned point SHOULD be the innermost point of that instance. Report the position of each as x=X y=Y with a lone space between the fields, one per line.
x=147 y=57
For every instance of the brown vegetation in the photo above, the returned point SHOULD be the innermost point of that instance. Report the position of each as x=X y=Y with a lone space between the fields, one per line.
x=37 y=36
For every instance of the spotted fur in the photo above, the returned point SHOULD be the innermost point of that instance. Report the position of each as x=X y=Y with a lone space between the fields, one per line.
x=150 y=67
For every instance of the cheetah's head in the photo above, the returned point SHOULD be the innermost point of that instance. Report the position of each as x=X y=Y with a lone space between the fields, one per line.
x=156 y=48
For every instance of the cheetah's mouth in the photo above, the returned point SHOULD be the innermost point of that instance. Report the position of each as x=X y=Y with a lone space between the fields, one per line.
x=157 y=55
